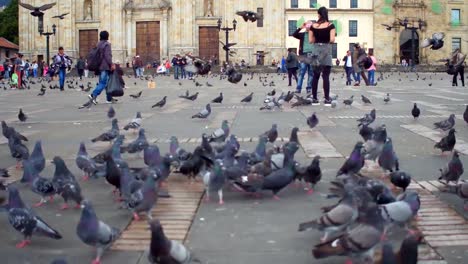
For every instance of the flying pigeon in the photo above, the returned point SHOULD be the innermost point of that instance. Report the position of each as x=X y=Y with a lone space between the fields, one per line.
x=37 y=11
x=435 y=42
x=249 y=16
x=94 y=232
x=62 y=16
x=203 y=113
x=25 y=221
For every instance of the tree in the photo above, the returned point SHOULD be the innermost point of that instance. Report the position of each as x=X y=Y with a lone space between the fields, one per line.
x=9 y=22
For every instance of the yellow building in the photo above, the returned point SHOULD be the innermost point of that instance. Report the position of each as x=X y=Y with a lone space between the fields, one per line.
x=353 y=19
x=156 y=29
x=393 y=43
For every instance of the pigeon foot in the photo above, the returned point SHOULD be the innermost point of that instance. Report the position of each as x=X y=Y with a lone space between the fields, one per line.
x=23 y=243
x=275 y=197
x=64 y=207
x=310 y=192
x=136 y=217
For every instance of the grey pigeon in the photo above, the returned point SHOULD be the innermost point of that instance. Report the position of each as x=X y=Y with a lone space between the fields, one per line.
x=135 y=123
x=402 y=211
x=249 y=16
x=234 y=76
x=446 y=124
x=387 y=98
x=139 y=144
x=453 y=170
x=358 y=242
x=17 y=149
x=128 y=184
x=25 y=221
x=94 y=232
x=388 y=159
x=111 y=112
x=39 y=185
x=311 y=174
x=365 y=100
x=22 y=116
x=109 y=135
x=448 y=142
x=7 y=131
x=152 y=156
x=462 y=191
x=70 y=190
x=203 y=113
x=313 y=120
x=220 y=134
x=4 y=173
x=37 y=157
x=366 y=132
x=137 y=95
x=415 y=112
x=218 y=99
x=349 y=101
x=367 y=119
x=289 y=96
x=161 y=103
x=465 y=115
x=143 y=199
x=165 y=251
x=84 y=162
x=214 y=181
x=272 y=134
x=355 y=161
x=337 y=219
x=400 y=179
x=249 y=97
x=374 y=146
x=435 y=41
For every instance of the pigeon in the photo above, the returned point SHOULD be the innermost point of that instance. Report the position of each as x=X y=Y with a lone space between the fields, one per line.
x=22 y=116
x=17 y=149
x=402 y=211
x=367 y=119
x=113 y=173
x=249 y=97
x=42 y=92
x=137 y=95
x=435 y=42
x=312 y=121
x=272 y=134
x=311 y=174
x=165 y=251
x=366 y=132
x=388 y=159
x=143 y=199
x=249 y=16
x=4 y=173
x=400 y=179
x=465 y=115
x=135 y=123
x=446 y=124
x=7 y=131
x=37 y=158
x=374 y=146
x=109 y=135
x=453 y=170
x=220 y=134
x=293 y=137
x=355 y=162
x=111 y=113
x=415 y=112
x=365 y=100
x=462 y=190
x=62 y=16
x=94 y=232
x=214 y=181
x=272 y=92
x=337 y=219
x=233 y=76
x=448 y=142
x=349 y=101
x=218 y=99
x=386 y=98
x=25 y=221
x=139 y=144
x=70 y=190
x=37 y=11
x=408 y=253
x=203 y=113
x=358 y=242
x=85 y=163
x=152 y=156
x=161 y=103
x=39 y=185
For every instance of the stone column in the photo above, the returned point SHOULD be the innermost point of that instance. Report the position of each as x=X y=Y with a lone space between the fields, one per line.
x=164 y=34
x=129 y=32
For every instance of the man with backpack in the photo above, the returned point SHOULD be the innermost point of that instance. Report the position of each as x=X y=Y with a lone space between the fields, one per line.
x=61 y=62
x=100 y=61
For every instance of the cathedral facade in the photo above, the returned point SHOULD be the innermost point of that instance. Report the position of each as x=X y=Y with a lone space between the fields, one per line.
x=156 y=29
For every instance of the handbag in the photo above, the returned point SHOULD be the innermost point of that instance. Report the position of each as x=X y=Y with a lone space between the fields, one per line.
x=114 y=87
x=451 y=70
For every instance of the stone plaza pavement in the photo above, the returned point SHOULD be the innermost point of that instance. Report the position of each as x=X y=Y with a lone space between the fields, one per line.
x=244 y=230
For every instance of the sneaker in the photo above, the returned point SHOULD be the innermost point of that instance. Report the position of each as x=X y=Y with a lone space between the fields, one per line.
x=315 y=102
x=91 y=97
x=112 y=101
x=356 y=84
x=327 y=102
x=309 y=91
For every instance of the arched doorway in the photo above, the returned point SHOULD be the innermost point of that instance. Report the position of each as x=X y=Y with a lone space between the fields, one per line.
x=405 y=45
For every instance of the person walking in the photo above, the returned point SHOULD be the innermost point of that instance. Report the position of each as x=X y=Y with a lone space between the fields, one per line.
x=138 y=66
x=105 y=67
x=176 y=64
x=372 y=68
x=183 y=63
x=291 y=65
x=348 y=66
x=189 y=60
x=359 y=55
x=80 y=67
x=18 y=68
x=458 y=60
x=35 y=68
x=61 y=62
x=303 y=36
x=322 y=34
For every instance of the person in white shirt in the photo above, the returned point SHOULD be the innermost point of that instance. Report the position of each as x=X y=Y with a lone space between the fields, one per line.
x=35 y=66
x=348 y=65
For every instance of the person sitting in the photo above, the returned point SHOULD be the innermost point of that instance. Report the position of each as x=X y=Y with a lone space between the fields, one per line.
x=161 y=69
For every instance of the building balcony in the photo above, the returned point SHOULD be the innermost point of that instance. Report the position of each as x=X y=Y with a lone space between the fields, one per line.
x=409 y=3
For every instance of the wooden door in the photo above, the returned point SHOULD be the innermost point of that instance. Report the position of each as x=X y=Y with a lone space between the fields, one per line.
x=148 y=41
x=208 y=42
x=88 y=39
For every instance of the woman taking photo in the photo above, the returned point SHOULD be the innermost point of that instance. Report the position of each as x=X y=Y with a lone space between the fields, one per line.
x=322 y=34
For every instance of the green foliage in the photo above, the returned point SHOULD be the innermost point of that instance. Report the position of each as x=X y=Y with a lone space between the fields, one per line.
x=9 y=22
x=437 y=7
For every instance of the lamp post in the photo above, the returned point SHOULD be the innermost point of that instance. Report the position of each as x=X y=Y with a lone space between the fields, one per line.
x=227 y=29
x=48 y=34
x=413 y=29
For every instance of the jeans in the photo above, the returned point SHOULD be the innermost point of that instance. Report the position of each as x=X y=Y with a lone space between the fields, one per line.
x=35 y=73
x=349 y=72
x=6 y=75
x=357 y=77
x=190 y=74
x=371 y=75
x=177 y=71
x=62 y=72
x=103 y=79
x=140 y=71
x=182 y=75
x=304 y=67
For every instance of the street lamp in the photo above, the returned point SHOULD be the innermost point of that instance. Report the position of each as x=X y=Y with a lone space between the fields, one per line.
x=48 y=34
x=226 y=29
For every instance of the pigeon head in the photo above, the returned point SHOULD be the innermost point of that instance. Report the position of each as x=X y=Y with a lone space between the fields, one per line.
x=82 y=149
x=114 y=122
x=173 y=145
x=4 y=125
x=452 y=117
x=38 y=147
x=415 y=105
x=138 y=114
x=14 y=198
x=88 y=219
x=316 y=159
x=141 y=133
x=452 y=131
x=208 y=106
x=160 y=245
x=455 y=154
